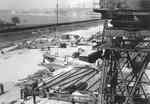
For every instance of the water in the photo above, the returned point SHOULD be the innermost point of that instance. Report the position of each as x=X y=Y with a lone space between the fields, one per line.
x=48 y=17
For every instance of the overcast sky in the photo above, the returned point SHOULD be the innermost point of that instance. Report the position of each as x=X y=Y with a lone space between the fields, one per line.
x=40 y=4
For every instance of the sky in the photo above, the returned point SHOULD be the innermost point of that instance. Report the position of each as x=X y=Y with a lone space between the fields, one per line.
x=41 y=4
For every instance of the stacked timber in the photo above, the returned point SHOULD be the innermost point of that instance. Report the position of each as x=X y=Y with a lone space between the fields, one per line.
x=81 y=78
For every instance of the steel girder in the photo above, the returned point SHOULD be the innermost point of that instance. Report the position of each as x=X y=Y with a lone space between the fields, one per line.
x=124 y=74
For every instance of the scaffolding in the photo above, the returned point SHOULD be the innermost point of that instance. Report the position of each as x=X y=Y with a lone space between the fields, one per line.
x=126 y=59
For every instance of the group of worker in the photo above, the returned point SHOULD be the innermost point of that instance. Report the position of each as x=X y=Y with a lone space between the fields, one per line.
x=26 y=91
x=1 y=88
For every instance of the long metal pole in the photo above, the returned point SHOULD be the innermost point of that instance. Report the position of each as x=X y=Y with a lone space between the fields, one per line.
x=57 y=17
x=57 y=10
x=57 y=6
